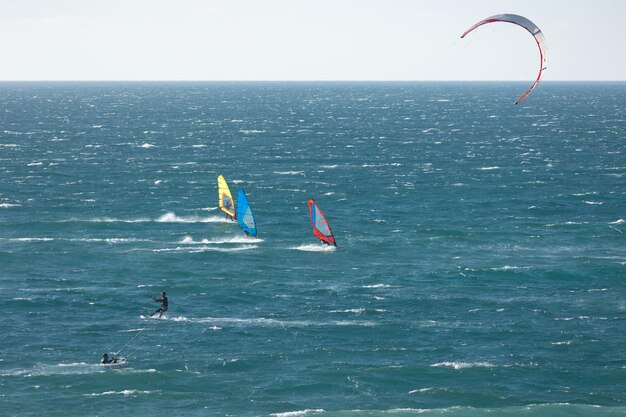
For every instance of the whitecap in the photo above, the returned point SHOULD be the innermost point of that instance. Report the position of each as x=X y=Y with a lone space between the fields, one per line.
x=193 y=249
x=351 y=310
x=31 y=239
x=289 y=172
x=125 y=392
x=463 y=365
x=235 y=239
x=298 y=413
x=315 y=248
x=171 y=217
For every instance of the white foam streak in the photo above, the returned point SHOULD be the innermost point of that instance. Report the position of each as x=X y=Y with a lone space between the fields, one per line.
x=125 y=392
x=219 y=322
x=188 y=240
x=463 y=365
x=315 y=248
x=298 y=413
x=196 y=249
x=171 y=217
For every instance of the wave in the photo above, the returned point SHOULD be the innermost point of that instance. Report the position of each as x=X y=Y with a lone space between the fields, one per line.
x=72 y=368
x=110 y=241
x=618 y=221
x=529 y=410
x=125 y=392
x=196 y=249
x=9 y=205
x=29 y=239
x=289 y=172
x=464 y=365
x=188 y=240
x=350 y=310
x=315 y=248
x=298 y=413
x=169 y=217
x=219 y=322
x=510 y=268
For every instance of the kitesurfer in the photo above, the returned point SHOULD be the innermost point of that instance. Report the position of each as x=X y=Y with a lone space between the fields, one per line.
x=164 y=304
x=107 y=360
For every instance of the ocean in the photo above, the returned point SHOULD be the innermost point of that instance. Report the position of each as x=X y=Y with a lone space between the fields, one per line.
x=480 y=267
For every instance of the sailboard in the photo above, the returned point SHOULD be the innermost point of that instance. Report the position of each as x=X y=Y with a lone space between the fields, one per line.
x=321 y=229
x=226 y=202
x=244 y=214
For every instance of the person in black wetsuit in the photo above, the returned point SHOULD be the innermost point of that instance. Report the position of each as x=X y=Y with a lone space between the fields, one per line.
x=106 y=360
x=164 y=304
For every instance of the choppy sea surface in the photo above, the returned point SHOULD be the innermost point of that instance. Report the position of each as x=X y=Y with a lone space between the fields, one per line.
x=480 y=268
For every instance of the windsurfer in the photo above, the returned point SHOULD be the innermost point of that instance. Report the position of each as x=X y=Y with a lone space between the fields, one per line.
x=164 y=304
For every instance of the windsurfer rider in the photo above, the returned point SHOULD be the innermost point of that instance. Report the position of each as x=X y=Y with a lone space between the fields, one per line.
x=164 y=305
x=106 y=360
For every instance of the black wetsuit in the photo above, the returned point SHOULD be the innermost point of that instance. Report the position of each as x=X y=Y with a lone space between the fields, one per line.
x=106 y=360
x=164 y=305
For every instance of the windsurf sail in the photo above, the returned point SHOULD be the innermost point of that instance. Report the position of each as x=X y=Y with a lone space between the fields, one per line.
x=227 y=204
x=321 y=229
x=244 y=214
x=530 y=27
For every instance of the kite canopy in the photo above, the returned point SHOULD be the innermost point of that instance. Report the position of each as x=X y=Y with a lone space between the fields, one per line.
x=530 y=27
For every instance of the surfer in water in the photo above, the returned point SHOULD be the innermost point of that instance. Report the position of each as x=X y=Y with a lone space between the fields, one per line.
x=164 y=304
x=107 y=360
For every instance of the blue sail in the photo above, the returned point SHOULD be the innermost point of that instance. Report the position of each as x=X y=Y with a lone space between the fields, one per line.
x=244 y=214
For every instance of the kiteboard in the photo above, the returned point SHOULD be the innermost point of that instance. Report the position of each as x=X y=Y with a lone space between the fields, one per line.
x=120 y=362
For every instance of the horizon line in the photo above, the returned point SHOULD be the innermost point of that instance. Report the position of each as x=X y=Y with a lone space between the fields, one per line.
x=302 y=80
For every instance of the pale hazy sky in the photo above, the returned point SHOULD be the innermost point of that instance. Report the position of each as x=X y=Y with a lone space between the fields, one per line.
x=307 y=40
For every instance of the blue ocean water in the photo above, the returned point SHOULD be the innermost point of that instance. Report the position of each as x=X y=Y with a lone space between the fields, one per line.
x=480 y=267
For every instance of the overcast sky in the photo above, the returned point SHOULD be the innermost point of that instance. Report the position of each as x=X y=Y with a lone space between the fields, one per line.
x=307 y=40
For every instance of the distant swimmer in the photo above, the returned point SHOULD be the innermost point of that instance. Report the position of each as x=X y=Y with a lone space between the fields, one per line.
x=107 y=360
x=164 y=305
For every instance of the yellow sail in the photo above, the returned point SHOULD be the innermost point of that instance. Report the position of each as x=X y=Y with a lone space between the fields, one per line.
x=227 y=204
